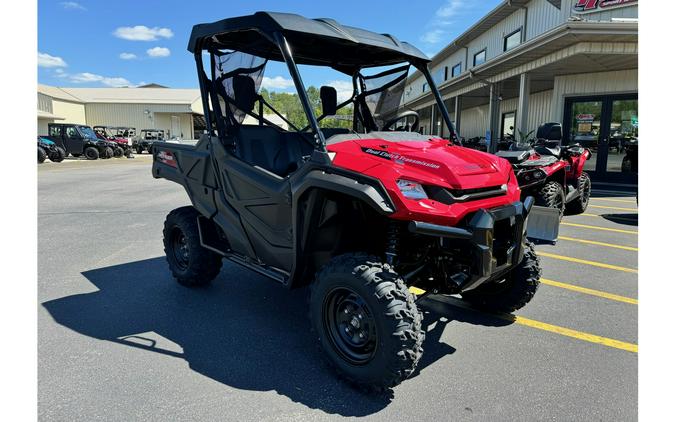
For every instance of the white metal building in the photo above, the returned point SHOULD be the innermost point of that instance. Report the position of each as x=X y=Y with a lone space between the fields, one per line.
x=177 y=111
x=533 y=61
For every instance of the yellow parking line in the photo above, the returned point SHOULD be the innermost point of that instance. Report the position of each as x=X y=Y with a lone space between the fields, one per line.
x=580 y=335
x=613 y=208
x=586 y=262
x=527 y=322
x=607 y=229
x=593 y=242
x=625 y=201
x=588 y=291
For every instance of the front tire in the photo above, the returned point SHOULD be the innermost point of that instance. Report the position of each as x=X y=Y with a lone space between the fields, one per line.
x=190 y=263
x=58 y=155
x=512 y=293
x=551 y=195
x=579 y=205
x=118 y=152
x=42 y=155
x=91 y=153
x=367 y=322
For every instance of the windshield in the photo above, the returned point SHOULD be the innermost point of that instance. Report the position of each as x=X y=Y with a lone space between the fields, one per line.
x=370 y=98
x=87 y=132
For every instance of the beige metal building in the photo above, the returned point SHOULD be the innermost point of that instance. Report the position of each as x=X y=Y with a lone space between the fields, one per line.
x=533 y=61
x=177 y=111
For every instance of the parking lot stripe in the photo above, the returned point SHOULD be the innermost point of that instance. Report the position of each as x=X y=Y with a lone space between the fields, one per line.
x=584 y=226
x=593 y=242
x=580 y=335
x=613 y=208
x=586 y=262
x=527 y=322
x=588 y=291
x=625 y=201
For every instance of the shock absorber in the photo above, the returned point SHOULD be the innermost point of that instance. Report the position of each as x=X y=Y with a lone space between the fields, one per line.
x=391 y=248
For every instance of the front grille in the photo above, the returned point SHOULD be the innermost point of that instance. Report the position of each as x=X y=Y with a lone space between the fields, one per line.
x=450 y=196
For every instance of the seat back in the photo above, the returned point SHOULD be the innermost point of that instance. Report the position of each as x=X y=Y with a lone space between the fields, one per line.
x=270 y=148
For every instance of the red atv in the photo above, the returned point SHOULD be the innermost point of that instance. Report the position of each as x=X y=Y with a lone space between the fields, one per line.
x=551 y=173
x=357 y=214
x=117 y=136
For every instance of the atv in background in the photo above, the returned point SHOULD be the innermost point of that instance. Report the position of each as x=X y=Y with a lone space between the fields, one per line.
x=478 y=143
x=359 y=215
x=122 y=146
x=48 y=149
x=551 y=173
x=147 y=138
x=79 y=140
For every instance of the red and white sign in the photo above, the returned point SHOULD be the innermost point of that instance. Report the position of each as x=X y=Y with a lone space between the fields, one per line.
x=590 y=6
x=167 y=158
x=585 y=117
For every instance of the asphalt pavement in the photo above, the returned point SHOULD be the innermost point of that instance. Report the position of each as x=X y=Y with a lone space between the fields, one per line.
x=119 y=340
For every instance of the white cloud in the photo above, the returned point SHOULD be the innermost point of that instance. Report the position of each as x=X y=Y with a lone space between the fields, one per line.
x=72 y=5
x=344 y=89
x=433 y=36
x=158 y=52
x=276 y=83
x=451 y=9
x=46 y=60
x=142 y=33
x=86 y=77
x=127 y=56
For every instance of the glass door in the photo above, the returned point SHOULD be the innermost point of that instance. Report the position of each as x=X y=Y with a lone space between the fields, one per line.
x=584 y=124
x=623 y=137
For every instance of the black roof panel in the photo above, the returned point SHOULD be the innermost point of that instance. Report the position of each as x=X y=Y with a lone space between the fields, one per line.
x=313 y=41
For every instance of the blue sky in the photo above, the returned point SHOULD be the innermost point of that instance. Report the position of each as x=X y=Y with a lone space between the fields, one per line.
x=87 y=43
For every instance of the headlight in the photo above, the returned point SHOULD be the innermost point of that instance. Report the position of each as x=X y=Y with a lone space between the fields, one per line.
x=411 y=190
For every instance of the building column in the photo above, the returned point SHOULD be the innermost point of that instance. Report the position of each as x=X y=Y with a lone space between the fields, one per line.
x=433 y=128
x=493 y=118
x=523 y=106
x=458 y=114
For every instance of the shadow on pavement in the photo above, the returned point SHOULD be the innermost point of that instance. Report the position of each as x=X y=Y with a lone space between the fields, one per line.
x=245 y=332
x=599 y=193
x=626 y=219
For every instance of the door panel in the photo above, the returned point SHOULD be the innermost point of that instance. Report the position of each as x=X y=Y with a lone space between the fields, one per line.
x=74 y=140
x=584 y=123
x=623 y=133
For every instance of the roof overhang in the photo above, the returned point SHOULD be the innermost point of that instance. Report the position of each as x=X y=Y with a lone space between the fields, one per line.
x=41 y=114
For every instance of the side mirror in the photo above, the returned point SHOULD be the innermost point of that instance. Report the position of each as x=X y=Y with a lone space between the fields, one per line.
x=328 y=100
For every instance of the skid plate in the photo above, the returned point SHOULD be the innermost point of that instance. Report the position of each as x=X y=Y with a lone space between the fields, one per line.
x=543 y=224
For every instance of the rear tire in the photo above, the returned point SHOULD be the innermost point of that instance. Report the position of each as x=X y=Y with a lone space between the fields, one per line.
x=190 y=263
x=579 y=205
x=551 y=195
x=127 y=152
x=58 y=155
x=42 y=155
x=139 y=150
x=367 y=322
x=108 y=153
x=91 y=153
x=517 y=289
x=118 y=152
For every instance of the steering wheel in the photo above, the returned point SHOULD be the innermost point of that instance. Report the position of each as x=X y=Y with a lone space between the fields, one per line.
x=411 y=128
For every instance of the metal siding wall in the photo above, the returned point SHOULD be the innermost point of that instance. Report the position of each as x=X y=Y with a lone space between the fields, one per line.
x=44 y=103
x=539 y=110
x=541 y=17
x=621 y=81
x=71 y=112
x=456 y=57
x=131 y=114
x=493 y=39
x=474 y=121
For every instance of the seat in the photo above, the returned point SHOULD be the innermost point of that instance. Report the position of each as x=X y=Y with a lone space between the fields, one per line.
x=514 y=157
x=548 y=150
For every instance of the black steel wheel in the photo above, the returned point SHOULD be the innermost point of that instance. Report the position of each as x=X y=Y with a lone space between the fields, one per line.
x=366 y=320
x=350 y=325
x=190 y=263
x=579 y=205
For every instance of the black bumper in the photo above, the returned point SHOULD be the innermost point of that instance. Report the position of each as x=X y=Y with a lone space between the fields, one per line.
x=495 y=237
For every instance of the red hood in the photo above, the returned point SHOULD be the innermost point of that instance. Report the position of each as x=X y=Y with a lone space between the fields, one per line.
x=433 y=160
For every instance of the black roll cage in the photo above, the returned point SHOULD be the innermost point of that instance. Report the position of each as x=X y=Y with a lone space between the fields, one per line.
x=207 y=85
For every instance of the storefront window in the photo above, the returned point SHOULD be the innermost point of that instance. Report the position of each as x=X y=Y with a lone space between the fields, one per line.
x=585 y=127
x=623 y=137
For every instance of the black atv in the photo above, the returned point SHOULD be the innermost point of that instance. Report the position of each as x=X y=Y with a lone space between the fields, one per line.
x=359 y=215
x=79 y=140
x=48 y=149
x=147 y=138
